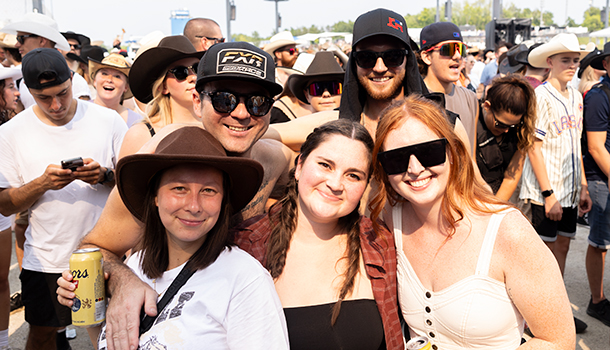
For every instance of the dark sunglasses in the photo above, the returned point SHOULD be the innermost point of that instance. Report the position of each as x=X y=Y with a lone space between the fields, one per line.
x=226 y=102
x=21 y=38
x=75 y=46
x=449 y=49
x=428 y=154
x=182 y=72
x=333 y=87
x=391 y=58
x=291 y=50
x=217 y=40
x=499 y=125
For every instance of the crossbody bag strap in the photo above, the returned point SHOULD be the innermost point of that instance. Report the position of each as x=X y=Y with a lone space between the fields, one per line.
x=146 y=322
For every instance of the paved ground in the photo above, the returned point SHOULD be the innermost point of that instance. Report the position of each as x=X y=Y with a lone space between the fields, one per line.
x=597 y=336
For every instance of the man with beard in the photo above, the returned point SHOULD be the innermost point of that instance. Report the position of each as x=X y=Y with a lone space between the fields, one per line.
x=382 y=68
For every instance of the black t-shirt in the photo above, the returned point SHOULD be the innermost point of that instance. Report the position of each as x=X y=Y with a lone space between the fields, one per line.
x=493 y=157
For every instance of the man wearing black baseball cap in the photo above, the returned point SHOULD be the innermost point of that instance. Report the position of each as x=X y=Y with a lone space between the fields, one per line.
x=442 y=52
x=234 y=90
x=64 y=202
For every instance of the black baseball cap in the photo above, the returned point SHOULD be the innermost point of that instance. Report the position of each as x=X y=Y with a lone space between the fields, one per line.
x=44 y=60
x=239 y=61
x=435 y=33
x=380 y=22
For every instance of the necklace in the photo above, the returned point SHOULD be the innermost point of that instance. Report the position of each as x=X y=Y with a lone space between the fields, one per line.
x=154 y=281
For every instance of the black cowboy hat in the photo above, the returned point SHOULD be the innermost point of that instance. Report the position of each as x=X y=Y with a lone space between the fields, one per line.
x=324 y=67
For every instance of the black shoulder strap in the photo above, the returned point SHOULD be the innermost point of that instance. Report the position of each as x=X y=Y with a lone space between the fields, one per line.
x=146 y=321
x=150 y=128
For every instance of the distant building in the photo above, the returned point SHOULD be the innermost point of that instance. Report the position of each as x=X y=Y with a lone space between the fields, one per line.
x=15 y=9
x=179 y=19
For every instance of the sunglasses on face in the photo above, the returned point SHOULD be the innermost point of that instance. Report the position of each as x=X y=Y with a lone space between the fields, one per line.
x=75 y=46
x=226 y=102
x=391 y=58
x=499 y=125
x=216 y=40
x=428 y=154
x=291 y=51
x=333 y=87
x=449 y=49
x=182 y=72
x=21 y=38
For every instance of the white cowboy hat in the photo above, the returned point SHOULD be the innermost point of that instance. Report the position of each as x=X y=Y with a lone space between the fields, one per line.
x=6 y=73
x=279 y=40
x=41 y=25
x=560 y=43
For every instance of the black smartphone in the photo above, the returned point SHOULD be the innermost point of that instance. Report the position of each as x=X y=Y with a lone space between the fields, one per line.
x=72 y=164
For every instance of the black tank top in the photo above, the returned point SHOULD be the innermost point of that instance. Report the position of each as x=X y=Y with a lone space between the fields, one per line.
x=358 y=327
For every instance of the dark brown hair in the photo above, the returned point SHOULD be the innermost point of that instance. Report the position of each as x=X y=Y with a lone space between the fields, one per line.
x=155 y=255
x=462 y=190
x=515 y=95
x=283 y=214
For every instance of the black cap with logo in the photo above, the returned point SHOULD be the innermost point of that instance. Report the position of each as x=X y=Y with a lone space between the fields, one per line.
x=239 y=61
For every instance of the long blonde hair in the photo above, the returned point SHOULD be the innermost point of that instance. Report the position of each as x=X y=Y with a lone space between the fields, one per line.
x=159 y=109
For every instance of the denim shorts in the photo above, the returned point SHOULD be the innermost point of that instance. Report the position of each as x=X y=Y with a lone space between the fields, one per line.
x=599 y=216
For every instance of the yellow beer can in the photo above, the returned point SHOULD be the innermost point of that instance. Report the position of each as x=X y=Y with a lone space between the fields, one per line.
x=87 y=268
x=419 y=343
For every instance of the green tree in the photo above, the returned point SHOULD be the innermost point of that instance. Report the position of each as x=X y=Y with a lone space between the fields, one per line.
x=571 y=23
x=593 y=20
x=342 y=26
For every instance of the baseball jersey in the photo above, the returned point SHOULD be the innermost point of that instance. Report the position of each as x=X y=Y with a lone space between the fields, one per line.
x=559 y=125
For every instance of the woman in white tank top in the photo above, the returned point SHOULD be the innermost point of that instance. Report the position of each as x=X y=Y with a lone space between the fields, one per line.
x=471 y=269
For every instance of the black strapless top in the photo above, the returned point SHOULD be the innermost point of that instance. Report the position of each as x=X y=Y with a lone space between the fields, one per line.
x=358 y=327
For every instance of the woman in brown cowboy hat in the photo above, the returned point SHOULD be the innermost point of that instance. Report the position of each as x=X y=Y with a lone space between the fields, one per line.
x=164 y=77
x=184 y=193
x=322 y=83
x=110 y=78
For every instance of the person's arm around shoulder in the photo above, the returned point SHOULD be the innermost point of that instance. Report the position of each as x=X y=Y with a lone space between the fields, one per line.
x=534 y=284
x=294 y=132
x=116 y=232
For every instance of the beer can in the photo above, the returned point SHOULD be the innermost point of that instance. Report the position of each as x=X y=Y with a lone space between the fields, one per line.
x=419 y=343
x=87 y=268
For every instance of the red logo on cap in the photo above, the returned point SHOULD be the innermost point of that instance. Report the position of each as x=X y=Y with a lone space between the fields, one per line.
x=393 y=23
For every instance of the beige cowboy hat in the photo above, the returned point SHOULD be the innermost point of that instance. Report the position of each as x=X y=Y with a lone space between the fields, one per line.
x=8 y=41
x=278 y=41
x=113 y=61
x=560 y=43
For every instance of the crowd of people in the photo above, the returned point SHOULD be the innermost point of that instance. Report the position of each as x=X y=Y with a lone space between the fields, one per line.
x=403 y=190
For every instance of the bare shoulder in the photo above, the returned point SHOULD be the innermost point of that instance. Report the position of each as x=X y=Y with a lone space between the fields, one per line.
x=272 y=154
x=518 y=243
x=134 y=139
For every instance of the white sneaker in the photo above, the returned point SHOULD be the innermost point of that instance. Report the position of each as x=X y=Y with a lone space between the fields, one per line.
x=70 y=333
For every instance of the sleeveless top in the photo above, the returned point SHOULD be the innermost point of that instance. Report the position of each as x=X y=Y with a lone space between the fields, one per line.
x=473 y=313
x=358 y=326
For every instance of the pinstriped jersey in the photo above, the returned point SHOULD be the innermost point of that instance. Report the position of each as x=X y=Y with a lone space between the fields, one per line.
x=559 y=124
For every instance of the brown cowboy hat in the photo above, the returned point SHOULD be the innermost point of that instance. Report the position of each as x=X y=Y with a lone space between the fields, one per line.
x=112 y=61
x=151 y=64
x=324 y=67
x=187 y=145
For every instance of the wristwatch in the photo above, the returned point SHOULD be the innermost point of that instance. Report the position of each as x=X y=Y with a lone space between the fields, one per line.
x=547 y=193
x=108 y=176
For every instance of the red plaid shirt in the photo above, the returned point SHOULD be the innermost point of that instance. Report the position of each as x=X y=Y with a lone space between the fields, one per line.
x=378 y=253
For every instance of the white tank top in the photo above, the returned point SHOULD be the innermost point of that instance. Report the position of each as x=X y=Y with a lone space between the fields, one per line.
x=474 y=313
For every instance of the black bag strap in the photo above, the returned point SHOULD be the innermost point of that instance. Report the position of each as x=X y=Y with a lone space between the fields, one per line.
x=146 y=322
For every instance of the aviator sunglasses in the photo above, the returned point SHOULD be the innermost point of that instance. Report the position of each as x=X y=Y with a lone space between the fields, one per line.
x=318 y=88
x=449 y=49
x=182 y=72
x=428 y=154
x=226 y=102
x=391 y=58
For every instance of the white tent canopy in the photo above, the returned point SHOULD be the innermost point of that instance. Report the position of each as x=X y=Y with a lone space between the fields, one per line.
x=604 y=33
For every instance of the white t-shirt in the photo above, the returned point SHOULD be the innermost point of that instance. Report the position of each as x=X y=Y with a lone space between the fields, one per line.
x=80 y=88
x=231 y=304
x=59 y=219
